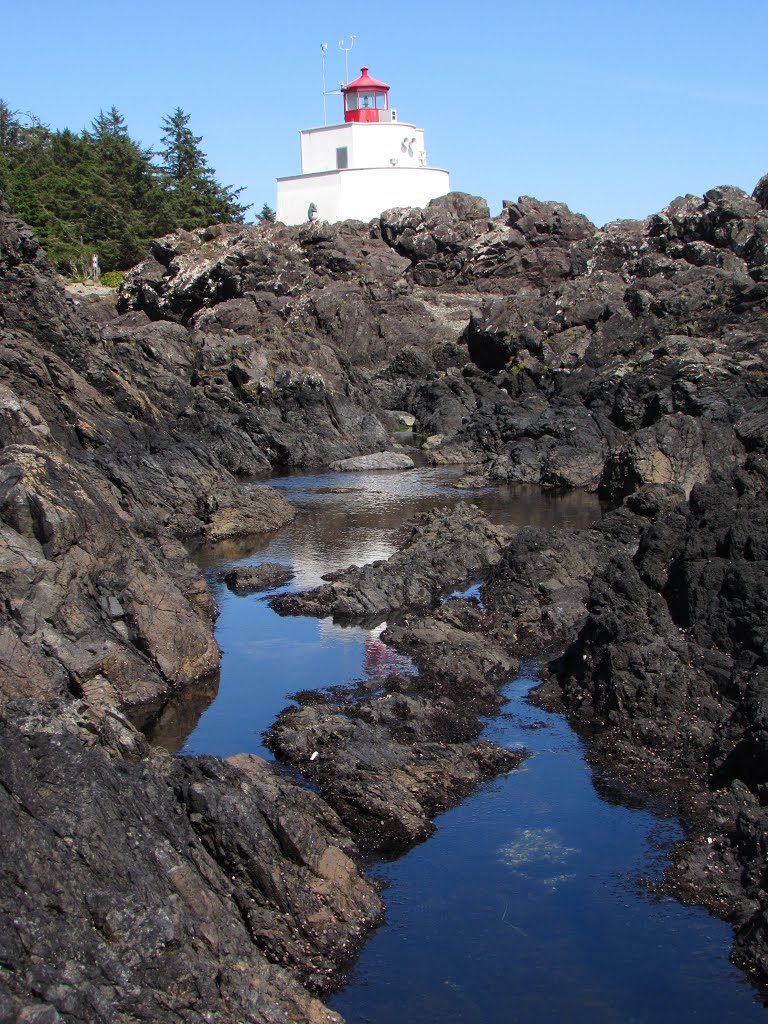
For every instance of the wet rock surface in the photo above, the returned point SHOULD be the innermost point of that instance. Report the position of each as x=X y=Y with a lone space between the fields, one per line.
x=390 y=763
x=388 y=756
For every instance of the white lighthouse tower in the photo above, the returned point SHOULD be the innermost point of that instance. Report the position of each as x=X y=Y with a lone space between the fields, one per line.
x=355 y=170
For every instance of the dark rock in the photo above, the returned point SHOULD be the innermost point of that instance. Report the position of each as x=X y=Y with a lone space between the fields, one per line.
x=671 y=666
x=539 y=588
x=453 y=240
x=389 y=761
x=444 y=548
x=388 y=765
x=248 y=579
x=89 y=607
x=630 y=360
x=163 y=890
x=461 y=652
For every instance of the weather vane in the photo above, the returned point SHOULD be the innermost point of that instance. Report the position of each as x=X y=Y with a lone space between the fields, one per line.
x=334 y=92
x=346 y=50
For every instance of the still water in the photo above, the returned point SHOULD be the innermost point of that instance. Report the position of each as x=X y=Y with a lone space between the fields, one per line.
x=527 y=905
x=343 y=518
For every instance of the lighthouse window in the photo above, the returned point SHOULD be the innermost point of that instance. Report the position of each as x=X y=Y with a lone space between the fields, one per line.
x=342 y=158
x=366 y=100
x=381 y=100
x=351 y=98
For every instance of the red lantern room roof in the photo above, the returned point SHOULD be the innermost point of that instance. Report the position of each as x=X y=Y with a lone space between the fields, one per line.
x=365 y=82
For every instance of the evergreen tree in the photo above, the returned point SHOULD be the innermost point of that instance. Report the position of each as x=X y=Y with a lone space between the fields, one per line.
x=184 y=161
x=101 y=191
x=128 y=208
x=108 y=125
x=23 y=197
x=10 y=131
x=267 y=215
x=197 y=198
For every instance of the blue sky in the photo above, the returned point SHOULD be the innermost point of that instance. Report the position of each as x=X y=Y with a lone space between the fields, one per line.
x=612 y=107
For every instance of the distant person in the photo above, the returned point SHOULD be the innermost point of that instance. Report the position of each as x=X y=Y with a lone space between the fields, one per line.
x=95 y=272
x=312 y=213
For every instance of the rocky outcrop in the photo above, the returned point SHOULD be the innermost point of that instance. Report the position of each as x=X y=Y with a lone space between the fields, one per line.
x=605 y=359
x=540 y=585
x=670 y=668
x=630 y=361
x=248 y=579
x=374 y=461
x=89 y=608
x=443 y=548
x=117 y=442
x=636 y=365
x=390 y=763
x=161 y=890
x=388 y=757
x=692 y=597
x=454 y=240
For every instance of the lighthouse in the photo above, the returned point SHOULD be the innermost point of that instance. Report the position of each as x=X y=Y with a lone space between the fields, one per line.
x=355 y=170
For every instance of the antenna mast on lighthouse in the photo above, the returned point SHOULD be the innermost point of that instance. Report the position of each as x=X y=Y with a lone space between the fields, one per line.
x=334 y=92
x=323 y=48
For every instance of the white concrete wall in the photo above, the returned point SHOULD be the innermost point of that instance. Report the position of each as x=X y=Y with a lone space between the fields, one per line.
x=368 y=145
x=358 y=194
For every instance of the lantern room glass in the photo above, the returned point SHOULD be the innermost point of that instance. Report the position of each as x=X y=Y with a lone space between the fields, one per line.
x=370 y=100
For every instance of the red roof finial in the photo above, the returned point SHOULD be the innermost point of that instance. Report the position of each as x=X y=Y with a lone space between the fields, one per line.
x=366 y=82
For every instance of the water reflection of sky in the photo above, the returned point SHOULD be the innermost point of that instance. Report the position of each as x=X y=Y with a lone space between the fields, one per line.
x=342 y=519
x=521 y=909
x=265 y=658
x=353 y=518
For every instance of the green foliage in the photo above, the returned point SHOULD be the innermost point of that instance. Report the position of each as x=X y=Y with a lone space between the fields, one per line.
x=102 y=192
x=267 y=215
x=197 y=199
x=112 y=279
x=23 y=197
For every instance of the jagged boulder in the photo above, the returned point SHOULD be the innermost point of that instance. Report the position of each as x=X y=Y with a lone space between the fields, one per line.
x=159 y=890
